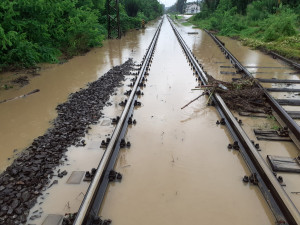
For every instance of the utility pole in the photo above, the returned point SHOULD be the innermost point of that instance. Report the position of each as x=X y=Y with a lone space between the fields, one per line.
x=113 y=19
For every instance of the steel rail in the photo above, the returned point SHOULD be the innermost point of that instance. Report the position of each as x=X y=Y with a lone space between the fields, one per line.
x=86 y=214
x=279 y=202
x=283 y=116
x=294 y=64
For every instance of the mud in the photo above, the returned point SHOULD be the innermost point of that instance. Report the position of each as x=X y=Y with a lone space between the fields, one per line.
x=21 y=96
x=241 y=95
x=20 y=78
x=22 y=81
x=29 y=175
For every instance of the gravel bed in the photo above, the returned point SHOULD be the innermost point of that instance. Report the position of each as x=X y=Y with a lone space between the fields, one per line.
x=23 y=182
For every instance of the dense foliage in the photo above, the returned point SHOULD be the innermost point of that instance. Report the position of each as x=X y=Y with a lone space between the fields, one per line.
x=259 y=23
x=145 y=9
x=33 y=31
x=178 y=7
x=172 y=9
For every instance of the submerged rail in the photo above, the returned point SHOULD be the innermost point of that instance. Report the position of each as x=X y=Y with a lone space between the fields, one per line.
x=90 y=207
x=282 y=114
x=281 y=205
x=294 y=64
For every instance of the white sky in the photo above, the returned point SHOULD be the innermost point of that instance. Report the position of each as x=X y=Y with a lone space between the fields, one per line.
x=171 y=2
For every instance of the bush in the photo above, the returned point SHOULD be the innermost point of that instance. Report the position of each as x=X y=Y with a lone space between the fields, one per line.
x=280 y=25
x=265 y=25
x=35 y=31
x=83 y=32
x=25 y=53
x=232 y=24
x=255 y=13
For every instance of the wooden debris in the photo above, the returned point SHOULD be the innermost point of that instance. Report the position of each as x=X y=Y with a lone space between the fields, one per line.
x=21 y=96
x=204 y=93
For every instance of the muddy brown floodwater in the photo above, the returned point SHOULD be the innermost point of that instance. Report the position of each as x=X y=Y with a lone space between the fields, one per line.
x=178 y=170
x=261 y=66
x=24 y=119
x=264 y=66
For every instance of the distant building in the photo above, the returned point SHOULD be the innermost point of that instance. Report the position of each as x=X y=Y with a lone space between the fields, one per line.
x=192 y=8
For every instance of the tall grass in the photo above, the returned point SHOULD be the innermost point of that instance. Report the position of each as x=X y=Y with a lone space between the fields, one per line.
x=265 y=24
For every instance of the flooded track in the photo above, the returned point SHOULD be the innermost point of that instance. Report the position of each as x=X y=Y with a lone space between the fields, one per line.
x=283 y=208
x=178 y=169
x=273 y=73
x=173 y=173
x=289 y=129
x=276 y=104
x=93 y=199
x=216 y=64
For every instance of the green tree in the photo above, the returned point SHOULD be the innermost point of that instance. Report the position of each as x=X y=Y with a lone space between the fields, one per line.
x=180 y=5
x=212 y=4
x=132 y=7
x=33 y=31
x=241 y=5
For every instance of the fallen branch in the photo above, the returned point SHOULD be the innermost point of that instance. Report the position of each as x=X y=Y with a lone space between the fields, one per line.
x=205 y=86
x=204 y=93
x=22 y=96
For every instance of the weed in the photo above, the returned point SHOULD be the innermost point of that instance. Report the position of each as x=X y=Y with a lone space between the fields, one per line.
x=271 y=117
x=186 y=24
x=6 y=87
x=275 y=127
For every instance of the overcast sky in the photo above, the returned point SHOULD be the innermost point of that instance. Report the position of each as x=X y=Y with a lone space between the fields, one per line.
x=171 y=2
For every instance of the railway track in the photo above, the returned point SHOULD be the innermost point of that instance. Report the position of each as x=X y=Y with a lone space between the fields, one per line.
x=89 y=209
x=281 y=205
x=279 y=202
x=283 y=117
x=292 y=63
